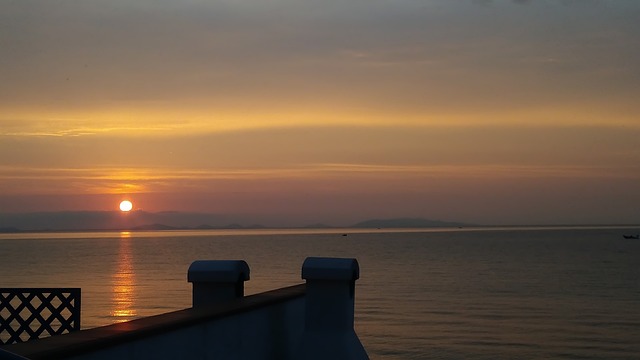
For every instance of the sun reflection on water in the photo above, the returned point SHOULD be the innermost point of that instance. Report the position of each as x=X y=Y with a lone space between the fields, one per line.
x=123 y=280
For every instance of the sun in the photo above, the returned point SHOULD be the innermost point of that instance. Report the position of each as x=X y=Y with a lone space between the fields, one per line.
x=126 y=205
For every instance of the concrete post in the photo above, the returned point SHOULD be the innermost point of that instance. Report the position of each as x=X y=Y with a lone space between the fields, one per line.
x=216 y=281
x=329 y=312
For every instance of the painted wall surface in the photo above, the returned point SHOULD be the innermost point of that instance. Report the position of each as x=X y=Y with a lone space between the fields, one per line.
x=271 y=332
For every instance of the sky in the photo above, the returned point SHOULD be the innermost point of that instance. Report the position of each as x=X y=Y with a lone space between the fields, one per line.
x=289 y=112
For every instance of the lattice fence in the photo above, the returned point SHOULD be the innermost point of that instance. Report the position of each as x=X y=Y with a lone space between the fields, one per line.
x=32 y=313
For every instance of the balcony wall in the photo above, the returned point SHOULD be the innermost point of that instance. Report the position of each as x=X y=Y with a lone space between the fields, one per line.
x=261 y=326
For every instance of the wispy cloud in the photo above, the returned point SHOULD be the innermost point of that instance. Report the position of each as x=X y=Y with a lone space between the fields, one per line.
x=222 y=65
x=144 y=180
x=41 y=125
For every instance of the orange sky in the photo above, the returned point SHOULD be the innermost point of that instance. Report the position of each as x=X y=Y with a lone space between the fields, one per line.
x=291 y=112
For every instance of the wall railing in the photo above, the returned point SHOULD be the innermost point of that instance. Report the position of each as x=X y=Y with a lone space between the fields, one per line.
x=33 y=313
x=312 y=321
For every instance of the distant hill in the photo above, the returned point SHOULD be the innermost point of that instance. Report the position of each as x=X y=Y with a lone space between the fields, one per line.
x=229 y=227
x=170 y=220
x=317 y=226
x=406 y=223
x=109 y=220
x=157 y=227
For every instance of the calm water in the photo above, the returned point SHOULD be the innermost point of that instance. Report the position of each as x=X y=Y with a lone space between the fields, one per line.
x=457 y=294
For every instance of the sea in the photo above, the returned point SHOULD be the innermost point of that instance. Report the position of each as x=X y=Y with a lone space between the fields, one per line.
x=463 y=293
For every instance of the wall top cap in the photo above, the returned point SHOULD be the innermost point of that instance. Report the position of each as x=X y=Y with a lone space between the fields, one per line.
x=218 y=271
x=318 y=268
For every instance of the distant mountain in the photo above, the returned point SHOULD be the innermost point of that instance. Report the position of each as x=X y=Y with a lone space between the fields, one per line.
x=169 y=220
x=157 y=227
x=317 y=226
x=108 y=220
x=406 y=223
x=229 y=226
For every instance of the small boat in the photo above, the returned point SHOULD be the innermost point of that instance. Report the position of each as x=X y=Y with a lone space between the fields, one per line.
x=636 y=237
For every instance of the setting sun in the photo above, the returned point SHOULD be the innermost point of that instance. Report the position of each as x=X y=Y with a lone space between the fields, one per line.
x=126 y=205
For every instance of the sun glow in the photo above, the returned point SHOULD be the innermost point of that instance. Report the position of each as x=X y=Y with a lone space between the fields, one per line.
x=126 y=206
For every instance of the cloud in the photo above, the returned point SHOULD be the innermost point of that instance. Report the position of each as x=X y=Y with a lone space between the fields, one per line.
x=117 y=163
x=70 y=68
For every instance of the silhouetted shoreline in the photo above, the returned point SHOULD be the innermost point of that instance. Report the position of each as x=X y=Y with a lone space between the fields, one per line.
x=162 y=227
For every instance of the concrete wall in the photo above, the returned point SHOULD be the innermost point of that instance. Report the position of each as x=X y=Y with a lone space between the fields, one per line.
x=312 y=321
x=270 y=332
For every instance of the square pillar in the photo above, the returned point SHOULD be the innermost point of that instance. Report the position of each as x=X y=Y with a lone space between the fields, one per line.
x=217 y=281
x=329 y=310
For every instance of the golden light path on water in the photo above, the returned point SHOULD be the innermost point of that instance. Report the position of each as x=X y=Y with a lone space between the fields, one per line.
x=123 y=280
